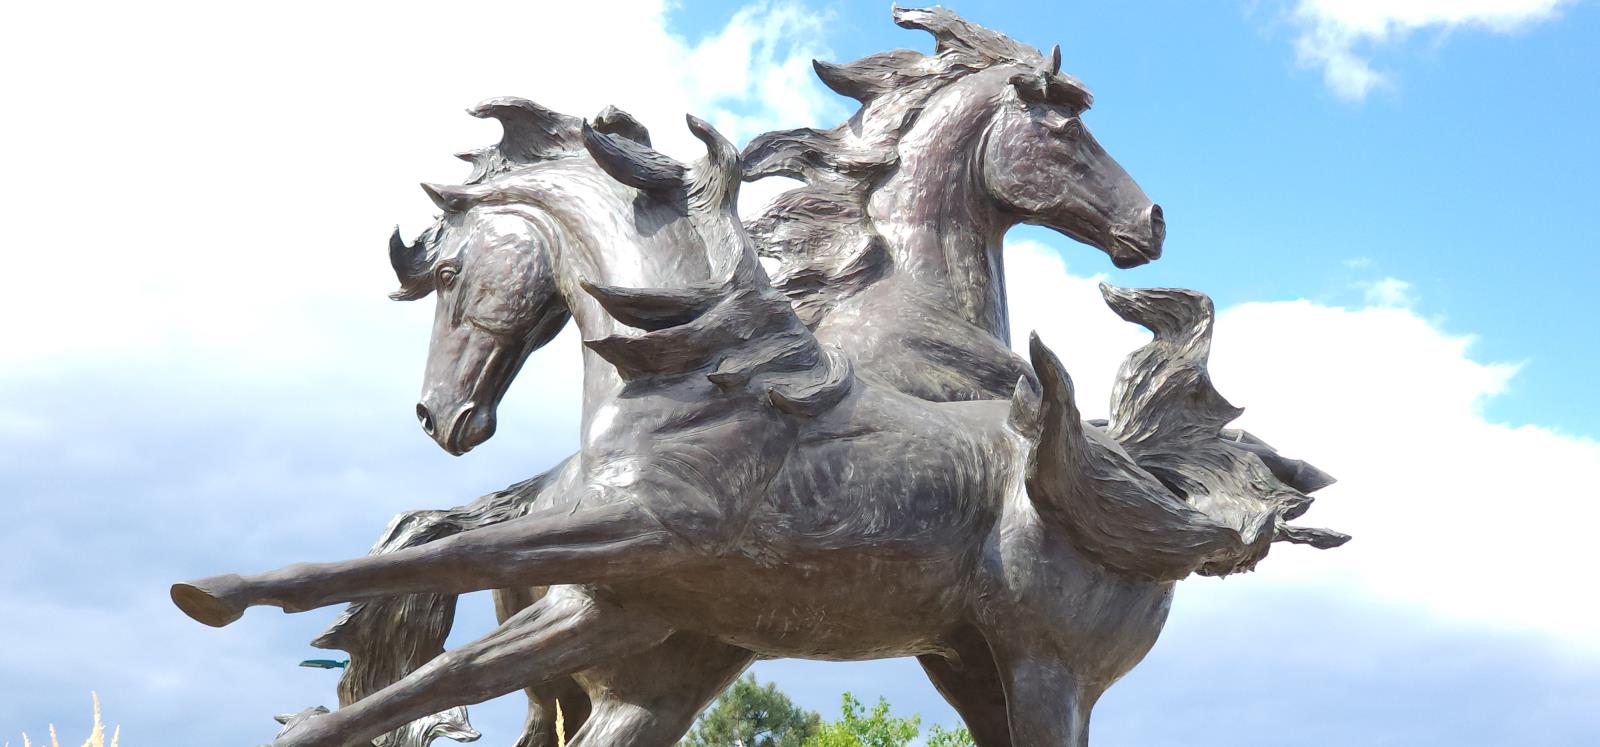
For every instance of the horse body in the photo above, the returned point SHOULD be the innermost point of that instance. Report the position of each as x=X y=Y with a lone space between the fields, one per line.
x=864 y=543
x=852 y=553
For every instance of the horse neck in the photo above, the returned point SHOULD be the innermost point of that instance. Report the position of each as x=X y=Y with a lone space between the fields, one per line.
x=606 y=236
x=938 y=223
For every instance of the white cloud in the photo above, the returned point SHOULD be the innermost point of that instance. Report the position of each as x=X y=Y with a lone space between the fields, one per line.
x=1388 y=292
x=217 y=186
x=1454 y=515
x=202 y=373
x=1337 y=35
x=200 y=368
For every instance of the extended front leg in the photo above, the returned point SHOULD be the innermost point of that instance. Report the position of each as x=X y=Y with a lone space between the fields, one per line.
x=589 y=544
x=561 y=633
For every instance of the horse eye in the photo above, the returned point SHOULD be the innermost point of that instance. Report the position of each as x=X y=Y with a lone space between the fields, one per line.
x=1072 y=127
x=447 y=276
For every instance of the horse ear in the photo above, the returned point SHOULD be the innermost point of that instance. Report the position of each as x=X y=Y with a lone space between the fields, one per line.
x=1030 y=87
x=633 y=164
x=412 y=266
x=450 y=199
x=1045 y=88
x=1055 y=60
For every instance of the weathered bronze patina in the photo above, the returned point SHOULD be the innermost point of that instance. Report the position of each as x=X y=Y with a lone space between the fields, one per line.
x=842 y=461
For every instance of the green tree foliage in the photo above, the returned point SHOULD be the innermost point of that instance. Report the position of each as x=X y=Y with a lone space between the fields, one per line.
x=750 y=714
x=858 y=729
x=753 y=715
x=939 y=736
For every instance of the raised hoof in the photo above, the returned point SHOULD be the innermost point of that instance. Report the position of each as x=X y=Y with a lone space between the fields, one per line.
x=206 y=600
x=295 y=729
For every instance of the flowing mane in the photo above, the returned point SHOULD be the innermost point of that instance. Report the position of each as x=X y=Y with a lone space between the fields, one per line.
x=533 y=135
x=821 y=234
x=739 y=329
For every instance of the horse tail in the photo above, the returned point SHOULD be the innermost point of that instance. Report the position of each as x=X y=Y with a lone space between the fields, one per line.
x=1164 y=490
x=1169 y=416
x=1117 y=514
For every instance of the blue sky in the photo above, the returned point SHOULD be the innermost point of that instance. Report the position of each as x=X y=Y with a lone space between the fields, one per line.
x=1470 y=177
x=1390 y=202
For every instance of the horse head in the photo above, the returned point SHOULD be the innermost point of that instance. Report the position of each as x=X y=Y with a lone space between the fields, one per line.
x=492 y=259
x=984 y=115
x=1036 y=158
x=551 y=215
x=490 y=267
x=1040 y=162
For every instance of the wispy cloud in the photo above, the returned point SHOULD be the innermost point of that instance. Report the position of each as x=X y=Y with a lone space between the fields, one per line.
x=1389 y=292
x=1339 y=36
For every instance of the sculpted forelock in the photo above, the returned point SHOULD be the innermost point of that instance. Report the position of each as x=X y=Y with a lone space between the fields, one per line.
x=847 y=463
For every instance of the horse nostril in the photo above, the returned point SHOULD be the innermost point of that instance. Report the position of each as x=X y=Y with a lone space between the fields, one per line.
x=1158 y=225
x=426 y=418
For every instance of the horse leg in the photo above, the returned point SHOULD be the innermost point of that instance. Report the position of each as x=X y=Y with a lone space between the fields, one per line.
x=596 y=544
x=539 y=730
x=557 y=635
x=1046 y=702
x=389 y=638
x=970 y=682
x=651 y=699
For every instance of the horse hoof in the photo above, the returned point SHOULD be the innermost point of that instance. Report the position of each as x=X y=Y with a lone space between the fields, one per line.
x=206 y=600
x=295 y=729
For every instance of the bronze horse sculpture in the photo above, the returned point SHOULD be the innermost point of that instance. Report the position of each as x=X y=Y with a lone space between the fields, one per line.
x=731 y=457
x=891 y=252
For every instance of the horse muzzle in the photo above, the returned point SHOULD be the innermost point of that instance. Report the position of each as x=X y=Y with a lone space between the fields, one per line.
x=460 y=429
x=1139 y=241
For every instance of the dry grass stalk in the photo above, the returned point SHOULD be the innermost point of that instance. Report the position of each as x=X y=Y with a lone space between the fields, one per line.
x=97 y=736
